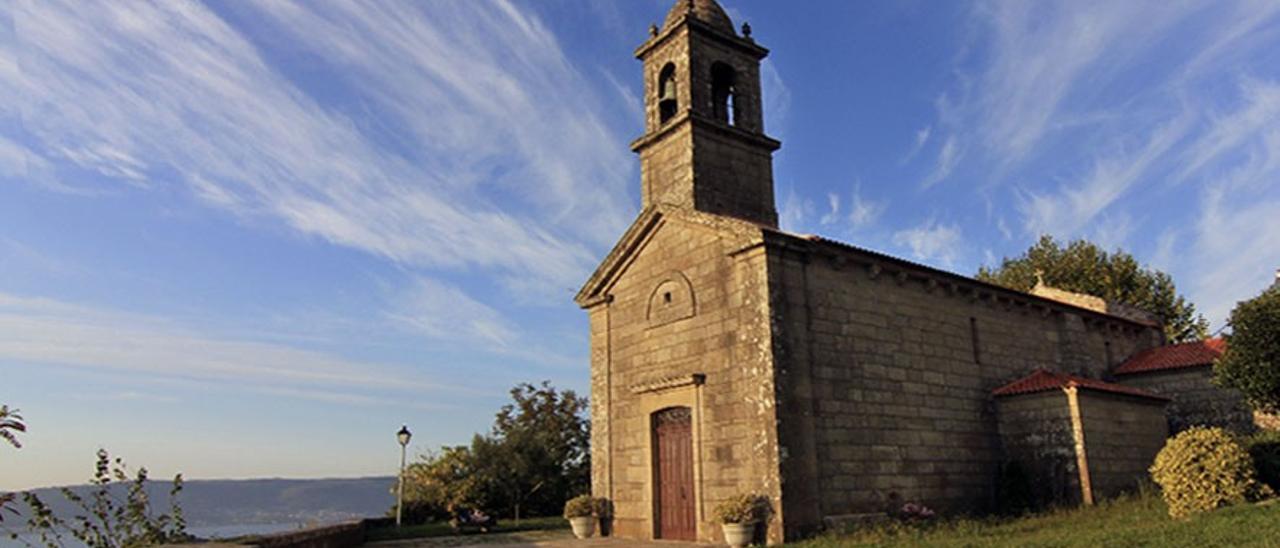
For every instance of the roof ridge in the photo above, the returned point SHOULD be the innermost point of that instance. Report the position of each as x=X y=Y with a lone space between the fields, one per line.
x=1044 y=380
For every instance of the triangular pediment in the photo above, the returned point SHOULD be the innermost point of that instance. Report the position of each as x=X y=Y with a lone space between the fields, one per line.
x=614 y=263
x=641 y=231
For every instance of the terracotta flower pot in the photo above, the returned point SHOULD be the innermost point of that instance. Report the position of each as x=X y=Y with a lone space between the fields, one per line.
x=583 y=527
x=738 y=535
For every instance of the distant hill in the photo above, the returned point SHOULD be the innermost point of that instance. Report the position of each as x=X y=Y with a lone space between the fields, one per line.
x=212 y=503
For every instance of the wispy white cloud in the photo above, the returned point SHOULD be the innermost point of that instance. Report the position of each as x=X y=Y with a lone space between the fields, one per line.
x=1234 y=254
x=442 y=311
x=1260 y=116
x=796 y=210
x=777 y=99
x=833 y=212
x=932 y=241
x=864 y=212
x=921 y=138
x=1163 y=257
x=50 y=332
x=1039 y=56
x=1242 y=27
x=1004 y=229
x=1074 y=206
x=492 y=154
x=948 y=157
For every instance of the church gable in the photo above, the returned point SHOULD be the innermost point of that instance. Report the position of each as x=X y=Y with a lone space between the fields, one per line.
x=616 y=260
x=735 y=233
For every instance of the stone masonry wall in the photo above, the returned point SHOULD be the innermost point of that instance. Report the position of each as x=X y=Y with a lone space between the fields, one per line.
x=1036 y=433
x=636 y=353
x=878 y=360
x=1122 y=436
x=1196 y=401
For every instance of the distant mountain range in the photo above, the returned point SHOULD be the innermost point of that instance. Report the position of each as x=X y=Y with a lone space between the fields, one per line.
x=215 y=503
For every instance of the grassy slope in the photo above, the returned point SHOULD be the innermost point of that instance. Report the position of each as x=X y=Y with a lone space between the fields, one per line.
x=1138 y=521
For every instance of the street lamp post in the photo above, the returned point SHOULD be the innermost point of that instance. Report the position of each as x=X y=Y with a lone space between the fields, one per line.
x=403 y=437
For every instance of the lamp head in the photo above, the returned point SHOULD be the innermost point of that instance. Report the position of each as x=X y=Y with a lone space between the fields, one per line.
x=403 y=435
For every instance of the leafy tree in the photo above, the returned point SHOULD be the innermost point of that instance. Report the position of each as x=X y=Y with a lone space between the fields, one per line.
x=532 y=461
x=10 y=422
x=1251 y=362
x=441 y=481
x=544 y=438
x=1083 y=267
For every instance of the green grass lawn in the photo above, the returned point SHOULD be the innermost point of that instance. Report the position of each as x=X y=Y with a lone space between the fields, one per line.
x=442 y=529
x=1133 y=521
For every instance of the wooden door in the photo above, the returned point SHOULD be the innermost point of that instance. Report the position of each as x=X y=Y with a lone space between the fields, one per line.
x=673 y=473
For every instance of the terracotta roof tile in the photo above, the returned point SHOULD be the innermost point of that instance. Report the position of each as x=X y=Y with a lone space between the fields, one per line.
x=1043 y=381
x=1174 y=356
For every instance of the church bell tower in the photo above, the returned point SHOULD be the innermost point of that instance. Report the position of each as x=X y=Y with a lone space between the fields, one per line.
x=704 y=146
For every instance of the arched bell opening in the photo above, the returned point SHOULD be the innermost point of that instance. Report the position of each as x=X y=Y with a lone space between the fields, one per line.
x=668 y=104
x=724 y=101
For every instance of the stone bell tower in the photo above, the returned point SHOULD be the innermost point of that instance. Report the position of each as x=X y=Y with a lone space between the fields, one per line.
x=704 y=146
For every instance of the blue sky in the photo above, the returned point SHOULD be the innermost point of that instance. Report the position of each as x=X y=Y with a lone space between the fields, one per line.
x=247 y=239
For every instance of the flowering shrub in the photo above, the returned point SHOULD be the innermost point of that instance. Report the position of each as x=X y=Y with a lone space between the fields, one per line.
x=1202 y=469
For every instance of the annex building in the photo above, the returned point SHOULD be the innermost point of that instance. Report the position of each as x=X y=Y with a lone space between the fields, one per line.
x=728 y=356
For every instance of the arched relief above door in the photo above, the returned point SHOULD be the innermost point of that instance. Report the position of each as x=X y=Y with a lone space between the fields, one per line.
x=672 y=300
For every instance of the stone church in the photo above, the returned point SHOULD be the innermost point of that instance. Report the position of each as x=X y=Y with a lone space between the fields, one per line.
x=729 y=356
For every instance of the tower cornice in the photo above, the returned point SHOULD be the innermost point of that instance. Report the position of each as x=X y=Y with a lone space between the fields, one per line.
x=745 y=45
x=701 y=122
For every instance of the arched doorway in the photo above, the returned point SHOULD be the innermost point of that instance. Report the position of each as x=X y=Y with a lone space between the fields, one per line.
x=674 y=498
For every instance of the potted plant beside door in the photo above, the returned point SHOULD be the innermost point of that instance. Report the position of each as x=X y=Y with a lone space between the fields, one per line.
x=740 y=515
x=580 y=511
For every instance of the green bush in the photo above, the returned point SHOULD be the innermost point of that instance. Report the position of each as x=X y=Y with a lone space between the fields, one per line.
x=745 y=508
x=581 y=506
x=1264 y=448
x=1202 y=469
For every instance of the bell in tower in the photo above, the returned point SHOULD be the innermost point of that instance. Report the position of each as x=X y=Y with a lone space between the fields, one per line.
x=667 y=101
x=704 y=146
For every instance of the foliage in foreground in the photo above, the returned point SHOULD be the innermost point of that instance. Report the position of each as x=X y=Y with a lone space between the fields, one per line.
x=103 y=520
x=1251 y=363
x=10 y=422
x=531 y=462
x=1139 y=520
x=1203 y=469
x=1083 y=267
